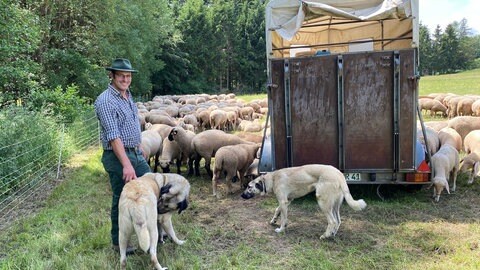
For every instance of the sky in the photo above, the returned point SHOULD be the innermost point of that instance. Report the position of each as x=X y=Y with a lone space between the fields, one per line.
x=444 y=12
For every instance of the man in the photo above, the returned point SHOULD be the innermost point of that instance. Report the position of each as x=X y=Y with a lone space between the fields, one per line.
x=121 y=136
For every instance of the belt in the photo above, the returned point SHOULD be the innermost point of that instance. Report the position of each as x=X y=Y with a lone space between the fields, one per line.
x=127 y=149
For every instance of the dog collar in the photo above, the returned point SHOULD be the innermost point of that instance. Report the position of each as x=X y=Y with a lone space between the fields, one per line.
x=264 y=187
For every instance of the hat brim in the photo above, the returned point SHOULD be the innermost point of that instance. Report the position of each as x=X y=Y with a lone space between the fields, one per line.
x=120 y=69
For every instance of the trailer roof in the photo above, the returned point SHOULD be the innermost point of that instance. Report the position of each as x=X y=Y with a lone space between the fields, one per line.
x=340 y=26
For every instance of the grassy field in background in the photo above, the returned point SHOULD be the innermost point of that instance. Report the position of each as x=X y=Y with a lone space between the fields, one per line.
x=463 y=83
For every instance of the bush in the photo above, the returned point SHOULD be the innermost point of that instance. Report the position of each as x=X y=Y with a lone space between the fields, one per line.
x=65 y=106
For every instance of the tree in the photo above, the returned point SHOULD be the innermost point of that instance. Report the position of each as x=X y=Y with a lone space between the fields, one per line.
x=19 y=73
x=426 y=49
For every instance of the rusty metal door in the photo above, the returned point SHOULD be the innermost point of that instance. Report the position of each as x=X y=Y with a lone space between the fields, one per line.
x=353 y=111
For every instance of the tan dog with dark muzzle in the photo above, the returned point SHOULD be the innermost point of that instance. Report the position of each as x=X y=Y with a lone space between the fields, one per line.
x=145 y=200
x=288 y=184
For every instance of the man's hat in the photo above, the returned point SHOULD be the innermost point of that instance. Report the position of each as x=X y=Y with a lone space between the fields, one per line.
x=121 y=64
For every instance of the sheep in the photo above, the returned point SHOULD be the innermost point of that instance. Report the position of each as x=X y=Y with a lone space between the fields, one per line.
x=184 y=140
x=232 y=120
x=161 y=119
x=452 y=106
x=476 y=108
x=162 y=129
x=246 y=113
x=471 y=162
x=170 y=152
x=252 y=171
x=450 y=136
x=231 y=159
x=251 y=137
x=438 y=107
x=432 y=139
x=464 y=124
x=464 y=106
x=206 y=143
x=471 y=142
x=218 y=119
x=151 y=145
x=203 y=118
x=191 y=119
x=445 y=165
x=437 y=125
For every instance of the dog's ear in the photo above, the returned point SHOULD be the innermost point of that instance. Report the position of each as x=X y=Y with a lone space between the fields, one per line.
x=182 y=205
x=259 y=186
x=165 y=189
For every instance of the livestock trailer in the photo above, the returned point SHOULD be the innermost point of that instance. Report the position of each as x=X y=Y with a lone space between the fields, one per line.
x=343 y=89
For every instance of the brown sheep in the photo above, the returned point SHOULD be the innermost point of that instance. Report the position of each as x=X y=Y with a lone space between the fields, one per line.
x=464 y=124
x=232 y=159
x=464 y=106
x=218 y=119
x=206 y=143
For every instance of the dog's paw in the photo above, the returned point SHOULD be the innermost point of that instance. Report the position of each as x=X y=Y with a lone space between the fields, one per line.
x=279 y=230
x=180 y=242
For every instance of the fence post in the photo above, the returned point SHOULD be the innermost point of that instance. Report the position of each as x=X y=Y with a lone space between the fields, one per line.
x=60 y=153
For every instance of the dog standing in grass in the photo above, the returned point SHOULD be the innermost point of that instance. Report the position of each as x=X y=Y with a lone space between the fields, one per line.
x=288 y=184
x=145 y=200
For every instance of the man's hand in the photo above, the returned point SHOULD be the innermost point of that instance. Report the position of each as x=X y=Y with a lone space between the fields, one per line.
x=128 y=173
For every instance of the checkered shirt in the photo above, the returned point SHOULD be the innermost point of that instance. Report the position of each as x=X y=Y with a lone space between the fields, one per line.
x=118 y=118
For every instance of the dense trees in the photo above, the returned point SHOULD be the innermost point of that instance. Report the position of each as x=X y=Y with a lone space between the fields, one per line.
x=449 y=51
x=179 y=46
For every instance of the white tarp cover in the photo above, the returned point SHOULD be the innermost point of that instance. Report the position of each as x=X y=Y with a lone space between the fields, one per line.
x=313 y=22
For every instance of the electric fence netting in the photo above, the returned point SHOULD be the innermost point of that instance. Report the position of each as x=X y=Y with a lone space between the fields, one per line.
x=30 y=164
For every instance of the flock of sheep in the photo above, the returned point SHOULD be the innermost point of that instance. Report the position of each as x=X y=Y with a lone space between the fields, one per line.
x=445 y=144
x=450 y=105
x=187 y=128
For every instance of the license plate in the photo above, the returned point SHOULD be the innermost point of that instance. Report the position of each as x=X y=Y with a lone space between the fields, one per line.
x=353 y=177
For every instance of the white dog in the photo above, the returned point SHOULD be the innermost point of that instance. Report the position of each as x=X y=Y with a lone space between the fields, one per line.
x=287 y=184
x=144 y=200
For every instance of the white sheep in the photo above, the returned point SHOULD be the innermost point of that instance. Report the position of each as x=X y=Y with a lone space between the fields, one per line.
x=432 y=139
x=206 y=143
x=170 y=152
x=231 y=159
x=151 y=145
x=471 y=142
x=471 y=163
x=450 y=136
x=445 y=165
x=184 y=140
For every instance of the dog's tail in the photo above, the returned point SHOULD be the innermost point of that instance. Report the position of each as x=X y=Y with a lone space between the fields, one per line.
x=139 y=215
x=356 y=205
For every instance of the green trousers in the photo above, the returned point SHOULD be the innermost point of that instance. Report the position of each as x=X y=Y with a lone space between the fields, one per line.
x=115 y=171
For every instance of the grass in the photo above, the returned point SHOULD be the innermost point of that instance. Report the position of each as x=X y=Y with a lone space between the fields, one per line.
x=463 y=83
x=407 y=231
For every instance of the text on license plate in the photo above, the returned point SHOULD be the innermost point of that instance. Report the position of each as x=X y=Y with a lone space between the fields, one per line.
x=353 y=177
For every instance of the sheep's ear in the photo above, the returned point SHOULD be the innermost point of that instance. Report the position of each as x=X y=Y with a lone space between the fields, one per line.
x=476 y=168
x=447 y=187
x=165 y=189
